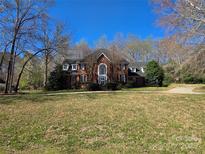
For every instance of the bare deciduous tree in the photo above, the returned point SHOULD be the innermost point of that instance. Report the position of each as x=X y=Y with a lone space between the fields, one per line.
x=102 y=42
x=56 y=43
x=173 y=50
x=185 y=18
x=19 y=21
x=83 y=47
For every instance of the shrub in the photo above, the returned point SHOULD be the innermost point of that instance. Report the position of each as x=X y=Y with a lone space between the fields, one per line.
x=2 y=87
x=167 y=80
x=2 y=81
x=154 y=74
x=112 y=86
x=57 y=79
x=131 y=84
x=189 y=78
x=93 y=87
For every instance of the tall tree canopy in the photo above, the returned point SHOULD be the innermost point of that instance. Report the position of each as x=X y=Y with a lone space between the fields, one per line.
x=183 y=17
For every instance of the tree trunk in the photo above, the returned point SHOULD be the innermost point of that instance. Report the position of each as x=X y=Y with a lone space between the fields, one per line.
x=10 y=66
x=19 y=78
x=2 y=60
x=46 y=70
x=12 y=73
x=23 y=67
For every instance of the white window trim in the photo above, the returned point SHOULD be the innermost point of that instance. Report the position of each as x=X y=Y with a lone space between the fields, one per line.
x=99 y=69
x=100 y=81
x=104 y=56
x=65 y=67
x=74 y=69
x=124 y=79
x=84 y=77
x=123 y=67
x=105 y=75
x=142 y=69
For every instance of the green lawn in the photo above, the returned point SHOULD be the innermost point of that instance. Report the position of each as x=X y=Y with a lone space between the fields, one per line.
x=102 y=123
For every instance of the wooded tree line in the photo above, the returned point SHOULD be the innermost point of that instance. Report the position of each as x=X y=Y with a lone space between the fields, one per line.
x=30 y=40
x=32 y=43
x=184 y=22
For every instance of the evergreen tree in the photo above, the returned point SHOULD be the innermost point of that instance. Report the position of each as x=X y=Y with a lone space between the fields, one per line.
x=154 y=74
x=58 y=79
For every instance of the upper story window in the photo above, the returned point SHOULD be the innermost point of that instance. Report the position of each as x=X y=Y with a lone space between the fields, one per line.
x=102 y=69
x=74 y=67
x=142 y=69
x=65 y=67
x=122 y=78
x=82 y=66
x=133 y=69
x=123 y=66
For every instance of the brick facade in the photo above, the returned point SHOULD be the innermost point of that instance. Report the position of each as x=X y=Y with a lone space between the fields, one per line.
x=90 y=69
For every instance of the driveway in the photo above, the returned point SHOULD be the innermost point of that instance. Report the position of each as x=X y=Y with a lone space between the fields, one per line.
x=183 y=90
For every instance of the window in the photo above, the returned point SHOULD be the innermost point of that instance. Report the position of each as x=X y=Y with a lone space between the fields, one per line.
x=82 y=66
x=102 y=69
x=102 y=80
x=74 y=67
x=122 y=78
x=133 y=69
x=123 y=66
x=65 y=67
x=102 y=74
x=142 y=69
x=83 y=78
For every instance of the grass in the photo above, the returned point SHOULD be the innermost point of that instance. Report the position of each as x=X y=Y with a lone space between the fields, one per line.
x=124 y=89
x=200 y=89
x=147 y=89
x=82 y=90
x=102 y=123
x=48 y=92
x=173 y=85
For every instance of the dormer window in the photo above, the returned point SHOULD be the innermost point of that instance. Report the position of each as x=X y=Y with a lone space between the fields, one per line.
x=65 y=67
x=142 y=69
x=133 y=69
x=74 y=67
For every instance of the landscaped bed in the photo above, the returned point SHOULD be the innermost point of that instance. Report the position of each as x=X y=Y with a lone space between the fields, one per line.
x=102 y=123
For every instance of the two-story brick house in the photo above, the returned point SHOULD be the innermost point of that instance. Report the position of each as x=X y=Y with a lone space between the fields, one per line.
x=100 y=67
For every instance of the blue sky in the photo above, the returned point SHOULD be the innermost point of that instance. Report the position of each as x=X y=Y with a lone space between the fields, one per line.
x=89 y=19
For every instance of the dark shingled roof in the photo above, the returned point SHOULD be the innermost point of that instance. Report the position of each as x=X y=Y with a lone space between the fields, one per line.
x=113 y=56
x=138 y=73
x=72 y=61
x=137 y=65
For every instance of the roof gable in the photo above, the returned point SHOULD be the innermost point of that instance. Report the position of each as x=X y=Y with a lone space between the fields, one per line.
x=102 y=54
x=112 y=56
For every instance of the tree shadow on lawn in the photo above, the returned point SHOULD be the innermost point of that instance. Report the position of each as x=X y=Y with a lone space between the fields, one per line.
x=34 y=98
x=40 y=98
